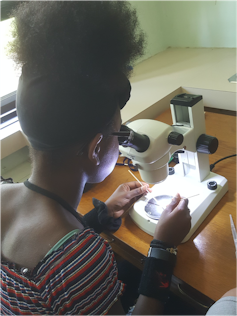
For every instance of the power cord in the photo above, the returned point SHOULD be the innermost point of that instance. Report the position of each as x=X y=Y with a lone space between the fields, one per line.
x=174 y=156
x=213 y=164
x=127 y=162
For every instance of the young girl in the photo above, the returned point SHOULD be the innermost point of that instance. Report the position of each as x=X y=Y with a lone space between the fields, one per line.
x=76 y=57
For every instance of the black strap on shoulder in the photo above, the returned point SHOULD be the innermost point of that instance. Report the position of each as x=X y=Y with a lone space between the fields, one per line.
x=54 y=197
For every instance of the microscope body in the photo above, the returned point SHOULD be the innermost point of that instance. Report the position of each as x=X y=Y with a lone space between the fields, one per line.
x=152 y=163
x=191 y=175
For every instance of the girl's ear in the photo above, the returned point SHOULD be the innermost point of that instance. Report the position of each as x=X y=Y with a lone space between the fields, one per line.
x=94 y=149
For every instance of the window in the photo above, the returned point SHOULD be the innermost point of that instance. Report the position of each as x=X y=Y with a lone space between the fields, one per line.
x=8 y=110
x=9 y=75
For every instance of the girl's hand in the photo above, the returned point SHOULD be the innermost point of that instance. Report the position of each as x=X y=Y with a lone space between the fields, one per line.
x=125 y=195
x=175 y=222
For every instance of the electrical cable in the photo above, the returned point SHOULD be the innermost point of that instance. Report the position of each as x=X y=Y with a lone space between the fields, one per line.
x=213 y=164
x=127 y=162
x=174 y=156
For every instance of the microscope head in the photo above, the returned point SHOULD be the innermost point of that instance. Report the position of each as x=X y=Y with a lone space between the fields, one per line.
x=148 y=143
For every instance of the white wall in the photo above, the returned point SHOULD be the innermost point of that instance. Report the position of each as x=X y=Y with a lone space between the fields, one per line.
x=200 y=23
x=150 y=18
x=186 y=24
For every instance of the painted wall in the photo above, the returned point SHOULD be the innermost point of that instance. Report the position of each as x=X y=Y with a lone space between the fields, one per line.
x=187 y=24
x=200 y=23
x=150 y=18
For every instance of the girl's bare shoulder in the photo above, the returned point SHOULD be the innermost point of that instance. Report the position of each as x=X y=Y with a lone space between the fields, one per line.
x=10 y=191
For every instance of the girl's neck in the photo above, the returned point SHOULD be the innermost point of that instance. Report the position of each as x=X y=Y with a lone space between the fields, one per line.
x=68 y=185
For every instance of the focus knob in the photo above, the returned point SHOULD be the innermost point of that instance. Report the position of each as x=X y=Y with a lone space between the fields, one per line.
x=207 y=144
x=175 y=138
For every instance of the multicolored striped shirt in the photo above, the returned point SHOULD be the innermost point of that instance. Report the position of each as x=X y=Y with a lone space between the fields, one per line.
x=80 y=277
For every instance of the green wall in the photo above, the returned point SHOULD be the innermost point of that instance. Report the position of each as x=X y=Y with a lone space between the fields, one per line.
x=187 y=24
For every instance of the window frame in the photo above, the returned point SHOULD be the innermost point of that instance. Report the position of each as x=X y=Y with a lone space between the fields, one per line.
x=8 y=110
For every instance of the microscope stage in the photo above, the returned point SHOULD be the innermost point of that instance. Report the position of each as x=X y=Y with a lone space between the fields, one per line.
x=202 y=200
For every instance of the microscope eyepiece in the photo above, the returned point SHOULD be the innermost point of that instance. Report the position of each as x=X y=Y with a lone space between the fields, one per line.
x=128 y=138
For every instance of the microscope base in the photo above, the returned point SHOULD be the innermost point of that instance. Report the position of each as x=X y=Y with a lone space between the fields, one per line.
x=200 y=206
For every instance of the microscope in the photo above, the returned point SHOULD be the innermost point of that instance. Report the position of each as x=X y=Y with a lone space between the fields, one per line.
x=150 y=145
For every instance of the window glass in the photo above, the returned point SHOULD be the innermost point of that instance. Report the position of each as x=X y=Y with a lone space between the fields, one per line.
x=9 y=74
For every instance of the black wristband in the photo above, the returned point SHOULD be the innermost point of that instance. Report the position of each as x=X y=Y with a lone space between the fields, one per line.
x=157 y=273
x=99 y=220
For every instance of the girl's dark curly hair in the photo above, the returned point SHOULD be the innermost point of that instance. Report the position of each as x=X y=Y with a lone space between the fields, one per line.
x=76 y=36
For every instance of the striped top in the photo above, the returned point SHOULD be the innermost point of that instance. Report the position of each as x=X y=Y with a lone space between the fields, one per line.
x=80 y=277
